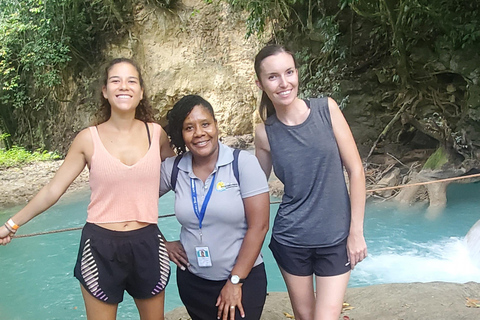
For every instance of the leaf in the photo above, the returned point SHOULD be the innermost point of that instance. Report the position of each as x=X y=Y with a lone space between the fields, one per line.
x=472 y=303
x=346 y=307
x=288 y=315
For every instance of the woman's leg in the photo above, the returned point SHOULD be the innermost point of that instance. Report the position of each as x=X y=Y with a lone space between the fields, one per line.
x=330 y=295
x=302 y=297
x=97 y=309
x=254 y=293
x=198 y=295
x=151 y=308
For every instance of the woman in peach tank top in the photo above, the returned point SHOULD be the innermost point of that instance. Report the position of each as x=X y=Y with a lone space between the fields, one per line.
x=121 y=248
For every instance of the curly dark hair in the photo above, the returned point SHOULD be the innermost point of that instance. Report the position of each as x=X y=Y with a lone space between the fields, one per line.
x=266 y=108
x=144 y=110
x=177 y=115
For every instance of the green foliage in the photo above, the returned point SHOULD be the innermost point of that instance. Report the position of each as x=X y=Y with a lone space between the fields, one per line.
x=16 y=156
x=320 y=69
x=436 y=160
x=262 y=11
x=451 y=23
x=307 y=26
x=44 y=44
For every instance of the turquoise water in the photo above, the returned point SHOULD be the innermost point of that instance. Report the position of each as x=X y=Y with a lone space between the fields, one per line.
x=36 y=278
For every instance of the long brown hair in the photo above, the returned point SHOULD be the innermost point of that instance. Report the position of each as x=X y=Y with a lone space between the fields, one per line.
x=266 y=108
x=144 y=110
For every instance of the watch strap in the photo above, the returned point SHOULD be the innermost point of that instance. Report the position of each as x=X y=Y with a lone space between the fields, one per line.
x=240 y=280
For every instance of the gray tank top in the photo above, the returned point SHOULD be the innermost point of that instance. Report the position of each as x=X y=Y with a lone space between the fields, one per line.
x=315 y=208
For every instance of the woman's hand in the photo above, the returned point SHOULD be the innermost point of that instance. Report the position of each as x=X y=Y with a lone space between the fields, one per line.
x=230 y=298
x=5 y=235
x=177 y=254
x=356 y=248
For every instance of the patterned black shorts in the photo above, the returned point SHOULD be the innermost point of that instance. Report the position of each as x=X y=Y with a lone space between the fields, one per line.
x=110 y=262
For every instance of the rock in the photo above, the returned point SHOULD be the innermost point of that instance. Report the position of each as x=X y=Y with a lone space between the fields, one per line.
x=437 y=193
x=243 y=142
x=389 y=180
x=408 y=194
x=276 y=187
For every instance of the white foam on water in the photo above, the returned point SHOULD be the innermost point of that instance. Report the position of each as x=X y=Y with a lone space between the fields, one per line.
x=447 y=260
x=473 y=243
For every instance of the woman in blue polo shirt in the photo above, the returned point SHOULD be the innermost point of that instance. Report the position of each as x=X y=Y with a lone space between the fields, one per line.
x=224 y=218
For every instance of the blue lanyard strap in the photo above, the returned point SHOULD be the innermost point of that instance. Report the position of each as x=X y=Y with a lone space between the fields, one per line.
x=201 y=214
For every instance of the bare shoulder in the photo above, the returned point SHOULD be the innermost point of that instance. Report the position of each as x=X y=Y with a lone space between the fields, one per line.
x=336 y=115
x=84 y=137
x=332 y=105
x=260 y=127
x=82 y=145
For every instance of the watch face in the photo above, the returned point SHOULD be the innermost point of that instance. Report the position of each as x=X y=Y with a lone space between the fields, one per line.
x=235 y=279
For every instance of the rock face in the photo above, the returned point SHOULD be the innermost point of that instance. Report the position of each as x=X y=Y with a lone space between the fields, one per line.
x=198 y=49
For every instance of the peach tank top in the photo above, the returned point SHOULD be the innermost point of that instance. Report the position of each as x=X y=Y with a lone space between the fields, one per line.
x=120 y=192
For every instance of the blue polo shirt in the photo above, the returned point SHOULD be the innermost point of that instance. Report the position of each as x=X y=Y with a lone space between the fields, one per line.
x=224 y=224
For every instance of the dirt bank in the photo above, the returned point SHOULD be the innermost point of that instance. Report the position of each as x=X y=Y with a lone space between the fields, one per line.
x=19 y=185
x=407 y=301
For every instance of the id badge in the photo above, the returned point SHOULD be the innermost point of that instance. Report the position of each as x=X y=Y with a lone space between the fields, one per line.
x=203 y=257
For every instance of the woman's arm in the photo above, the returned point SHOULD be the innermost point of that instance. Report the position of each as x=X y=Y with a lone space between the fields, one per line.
x=356 y=245
x=166 y=150
x=262 y=149
x=72 y=166
x=257 y=210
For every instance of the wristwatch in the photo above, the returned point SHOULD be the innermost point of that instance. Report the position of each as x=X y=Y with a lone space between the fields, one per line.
x=235 y=279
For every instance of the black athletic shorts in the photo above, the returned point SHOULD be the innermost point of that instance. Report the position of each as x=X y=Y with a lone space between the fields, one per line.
x=323 y=261
x=110 y=262
x=200 y=295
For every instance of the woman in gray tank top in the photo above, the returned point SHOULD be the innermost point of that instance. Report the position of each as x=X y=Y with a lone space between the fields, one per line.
x=318 y=228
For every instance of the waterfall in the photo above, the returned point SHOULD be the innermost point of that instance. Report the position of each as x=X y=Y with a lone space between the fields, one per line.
x=473 y=243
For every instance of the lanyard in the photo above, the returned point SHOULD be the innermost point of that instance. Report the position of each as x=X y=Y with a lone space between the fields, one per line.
x=200 y=214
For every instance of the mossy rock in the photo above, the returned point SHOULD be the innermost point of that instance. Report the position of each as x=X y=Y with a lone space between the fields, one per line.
x=436 y=160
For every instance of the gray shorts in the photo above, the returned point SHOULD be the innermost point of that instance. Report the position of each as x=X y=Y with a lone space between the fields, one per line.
x=322 y=261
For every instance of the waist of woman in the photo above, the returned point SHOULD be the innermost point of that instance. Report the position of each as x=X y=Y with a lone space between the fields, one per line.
x=123 y=226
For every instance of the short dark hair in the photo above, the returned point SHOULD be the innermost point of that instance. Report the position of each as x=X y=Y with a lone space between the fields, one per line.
x=177 y=115
x=266 y=108
x=144 y=110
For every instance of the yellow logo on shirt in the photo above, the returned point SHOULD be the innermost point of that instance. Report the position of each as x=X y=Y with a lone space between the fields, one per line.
x=222 y=186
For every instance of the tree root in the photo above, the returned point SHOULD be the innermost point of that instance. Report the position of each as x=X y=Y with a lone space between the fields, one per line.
x=405 y=104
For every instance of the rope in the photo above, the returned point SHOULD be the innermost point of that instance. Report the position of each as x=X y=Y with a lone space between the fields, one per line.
x=424 y=183
x=66 y=229
x=413 y=184
x=272 y=202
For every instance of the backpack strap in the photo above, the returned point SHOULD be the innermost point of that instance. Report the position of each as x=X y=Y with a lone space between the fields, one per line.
x=236 y=153
x=173 y=178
